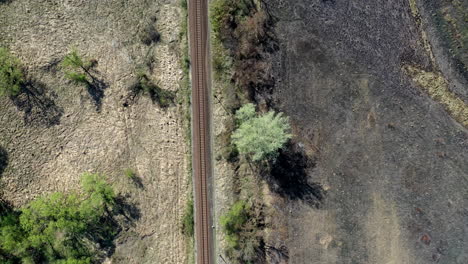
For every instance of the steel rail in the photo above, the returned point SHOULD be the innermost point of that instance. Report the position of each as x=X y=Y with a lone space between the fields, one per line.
x=198 y=31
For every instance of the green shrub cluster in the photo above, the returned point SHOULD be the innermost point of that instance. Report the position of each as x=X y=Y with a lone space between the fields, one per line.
x=188 y=224
x=240 y=227
x=11 y=74
x=60 y=228
x=227 y=13
x=233 y=221
x=259 y=137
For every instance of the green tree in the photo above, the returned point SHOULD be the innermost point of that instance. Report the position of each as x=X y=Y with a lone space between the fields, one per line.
x=59 y=228
x=55 y=227
x=11 y=74
x=260 y=136
x=76 y=69
x=98 y=189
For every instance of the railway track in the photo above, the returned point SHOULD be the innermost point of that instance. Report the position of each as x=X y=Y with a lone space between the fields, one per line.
x=199 y=52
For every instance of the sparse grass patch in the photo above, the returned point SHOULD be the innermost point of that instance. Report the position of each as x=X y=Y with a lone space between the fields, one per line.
x=184 y=100
x=435 y=85
x=129 y=173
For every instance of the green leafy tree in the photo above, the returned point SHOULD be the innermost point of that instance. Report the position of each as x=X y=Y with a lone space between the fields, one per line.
x=59 y=228
x=98 y=189
x=54 y=227
x=76 y=69
x=11 y=74
x=260 y=136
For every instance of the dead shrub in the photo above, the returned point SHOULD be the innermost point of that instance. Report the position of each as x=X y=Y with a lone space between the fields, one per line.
x=244 y=30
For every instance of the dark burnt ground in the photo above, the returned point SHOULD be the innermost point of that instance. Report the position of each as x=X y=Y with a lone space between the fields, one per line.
x=393 y=163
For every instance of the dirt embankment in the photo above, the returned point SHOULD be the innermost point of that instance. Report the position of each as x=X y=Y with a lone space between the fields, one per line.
x=62 y=131
x=386 y=157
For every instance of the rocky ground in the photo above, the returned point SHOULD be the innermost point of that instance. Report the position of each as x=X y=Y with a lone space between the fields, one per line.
x=382 y=172
x=51 y=138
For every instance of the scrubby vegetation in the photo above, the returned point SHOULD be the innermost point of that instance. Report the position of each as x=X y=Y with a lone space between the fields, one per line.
x=61 y=228
x=242 y=46
x=143 y=84
x=188 y=224
x=241 y=228
x=149 y=35
x=242 y=30
x=3 y=160
x=11 y=74
x=452 y=21
x=259 y=137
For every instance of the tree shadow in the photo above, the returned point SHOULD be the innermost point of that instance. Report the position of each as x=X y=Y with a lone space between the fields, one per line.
x=5 y=1
x=38 y=106
x=288 y=177
x=3 y=160
x=138 y=182
x=143 y=85
x=5 y=207
x=128 y=210
x=277 y=255
x=120 y=217
x=96 y=89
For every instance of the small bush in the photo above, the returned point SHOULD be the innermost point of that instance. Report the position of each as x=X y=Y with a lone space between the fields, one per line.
x=129 y=173
x=144 y=85
x=233 y=221
x=242 y=233
x=77 y=69
x=11 y=74
x=188 y=224
x=226 y=14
